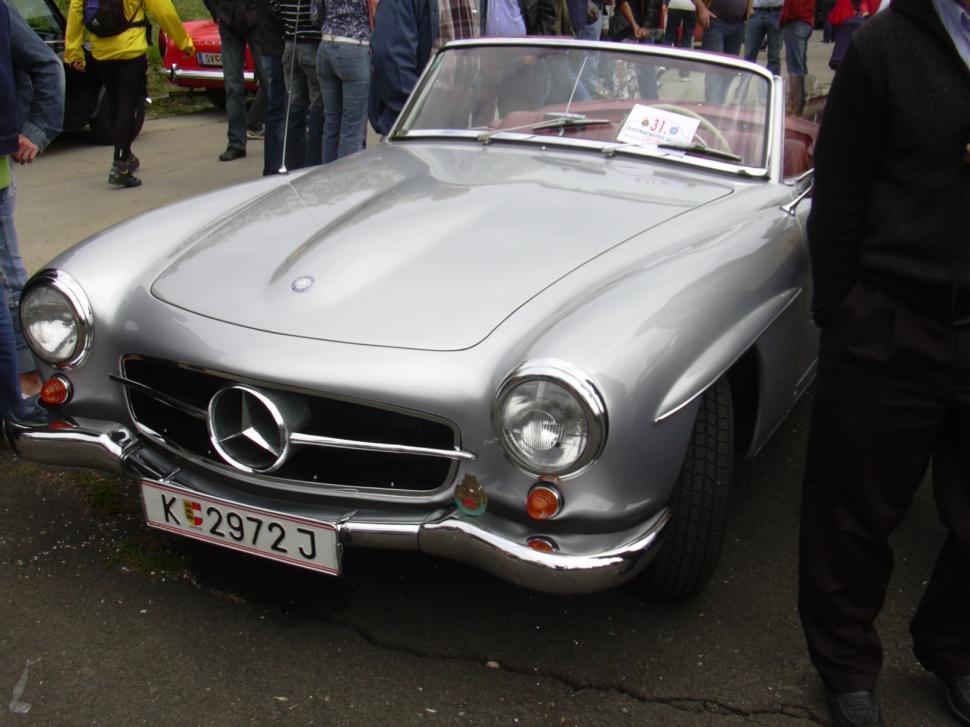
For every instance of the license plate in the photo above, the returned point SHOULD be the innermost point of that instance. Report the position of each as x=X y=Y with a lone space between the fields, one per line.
x=209 y=59
x=293 y=540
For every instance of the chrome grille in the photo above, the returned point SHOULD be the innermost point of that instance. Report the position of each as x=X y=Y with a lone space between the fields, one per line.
x=169 y=401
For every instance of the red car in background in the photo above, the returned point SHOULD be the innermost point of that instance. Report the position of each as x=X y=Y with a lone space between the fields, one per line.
x=205 y=69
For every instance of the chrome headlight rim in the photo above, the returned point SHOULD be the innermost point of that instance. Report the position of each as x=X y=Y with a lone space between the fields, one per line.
x=76 y=298
x=587 y=395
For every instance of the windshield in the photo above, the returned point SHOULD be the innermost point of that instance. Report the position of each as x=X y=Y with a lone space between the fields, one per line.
x=616 y=100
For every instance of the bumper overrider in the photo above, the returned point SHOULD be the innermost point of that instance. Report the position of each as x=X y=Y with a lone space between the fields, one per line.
x=582 y=563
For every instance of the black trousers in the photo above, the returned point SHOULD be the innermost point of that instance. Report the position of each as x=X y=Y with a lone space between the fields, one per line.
x=124 y=84
x=893 y=393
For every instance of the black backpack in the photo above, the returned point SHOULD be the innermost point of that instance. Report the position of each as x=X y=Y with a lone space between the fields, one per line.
x=105 y=18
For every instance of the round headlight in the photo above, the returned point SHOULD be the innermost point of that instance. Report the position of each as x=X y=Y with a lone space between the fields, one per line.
x=56 y=319
x=550 y=420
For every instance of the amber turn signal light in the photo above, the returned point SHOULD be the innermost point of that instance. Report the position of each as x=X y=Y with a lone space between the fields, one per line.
x=56 y=391
x=544 y=501
x=542 y=544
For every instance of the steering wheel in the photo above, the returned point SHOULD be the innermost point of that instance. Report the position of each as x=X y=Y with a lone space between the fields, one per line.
x=705 y=124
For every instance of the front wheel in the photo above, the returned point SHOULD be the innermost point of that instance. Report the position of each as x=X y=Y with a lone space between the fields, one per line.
x=693 y=537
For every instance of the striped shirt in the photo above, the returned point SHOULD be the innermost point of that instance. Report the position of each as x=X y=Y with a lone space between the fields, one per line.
x=295 y=15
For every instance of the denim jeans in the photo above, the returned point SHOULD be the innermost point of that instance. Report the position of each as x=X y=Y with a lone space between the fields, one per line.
x=13 y=275
x=304 y=132
x=344 y=73
x=764 y=22
x=796 y=47
x=275 y=118
x=233 y=65
x=9 y=381
x=721 y=37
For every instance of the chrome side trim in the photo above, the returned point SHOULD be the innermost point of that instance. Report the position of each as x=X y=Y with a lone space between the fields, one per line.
x=314 y=440
x=192 y=411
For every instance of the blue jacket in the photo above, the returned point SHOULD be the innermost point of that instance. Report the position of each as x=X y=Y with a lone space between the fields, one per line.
x=9 y=116
x=39 y=81
x=400 y=49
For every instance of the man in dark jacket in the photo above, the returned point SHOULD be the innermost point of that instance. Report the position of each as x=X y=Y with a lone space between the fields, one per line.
x=405 y=34
x=891 y=263
x=237 y=29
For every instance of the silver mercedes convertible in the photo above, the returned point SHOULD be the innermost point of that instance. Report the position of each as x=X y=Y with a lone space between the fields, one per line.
x=532 y=331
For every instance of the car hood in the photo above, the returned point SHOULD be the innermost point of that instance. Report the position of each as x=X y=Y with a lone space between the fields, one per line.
x=419 y=245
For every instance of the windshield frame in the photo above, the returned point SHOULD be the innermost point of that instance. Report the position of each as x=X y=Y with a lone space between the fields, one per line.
x=772 y=167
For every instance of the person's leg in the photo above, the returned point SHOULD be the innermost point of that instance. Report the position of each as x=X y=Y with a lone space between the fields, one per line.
x=299 y=99
x=275 y=114
x=354 y=70
x=877 y=417
x=332 y=91
x=256 y=116
x=690 y=23
x=233 y=61
x=941 y=626
x=774 y=43
x=307 y=60
x=796 y=47
x=9 y=385
x=13 y=275
x=734 y=38
x=796 y=54
x=717 y=38
x=754 y=34
x=129 y=92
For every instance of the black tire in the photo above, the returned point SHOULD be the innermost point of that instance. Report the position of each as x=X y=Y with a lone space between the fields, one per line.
x=217 y=97
x=101 y=123
x=693 y=537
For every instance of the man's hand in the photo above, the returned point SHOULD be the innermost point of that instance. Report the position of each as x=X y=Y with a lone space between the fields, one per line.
x=704 y=14
x=27 y=151
x=78 y=66
x=640 y=33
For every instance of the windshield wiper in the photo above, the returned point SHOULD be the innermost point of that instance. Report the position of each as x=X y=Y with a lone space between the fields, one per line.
x=559 y=122
x=700 y=149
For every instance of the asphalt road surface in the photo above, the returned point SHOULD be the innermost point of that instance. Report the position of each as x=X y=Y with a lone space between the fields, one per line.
x=103 y=622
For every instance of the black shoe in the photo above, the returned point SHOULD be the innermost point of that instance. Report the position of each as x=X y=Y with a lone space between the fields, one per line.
x=957 y=695
x=121 y=175
x=233 y=152
x=133 y=162
x=854 y=709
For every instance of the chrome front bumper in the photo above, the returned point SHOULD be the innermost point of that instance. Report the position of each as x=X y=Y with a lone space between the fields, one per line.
x=583 y=563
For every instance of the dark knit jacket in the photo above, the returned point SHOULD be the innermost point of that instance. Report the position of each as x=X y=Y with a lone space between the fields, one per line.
x=891 y=204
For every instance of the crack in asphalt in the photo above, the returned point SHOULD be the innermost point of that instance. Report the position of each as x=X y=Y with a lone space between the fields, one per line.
x=694 y=705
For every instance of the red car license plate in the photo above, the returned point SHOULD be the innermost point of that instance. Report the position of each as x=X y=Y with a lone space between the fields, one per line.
x=293 y=540
x=209 y=59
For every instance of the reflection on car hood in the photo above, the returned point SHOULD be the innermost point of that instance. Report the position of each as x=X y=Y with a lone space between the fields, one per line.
x=420 y=245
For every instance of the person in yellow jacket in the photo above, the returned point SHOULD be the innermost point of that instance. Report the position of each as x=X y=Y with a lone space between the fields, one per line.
x=123 y=63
